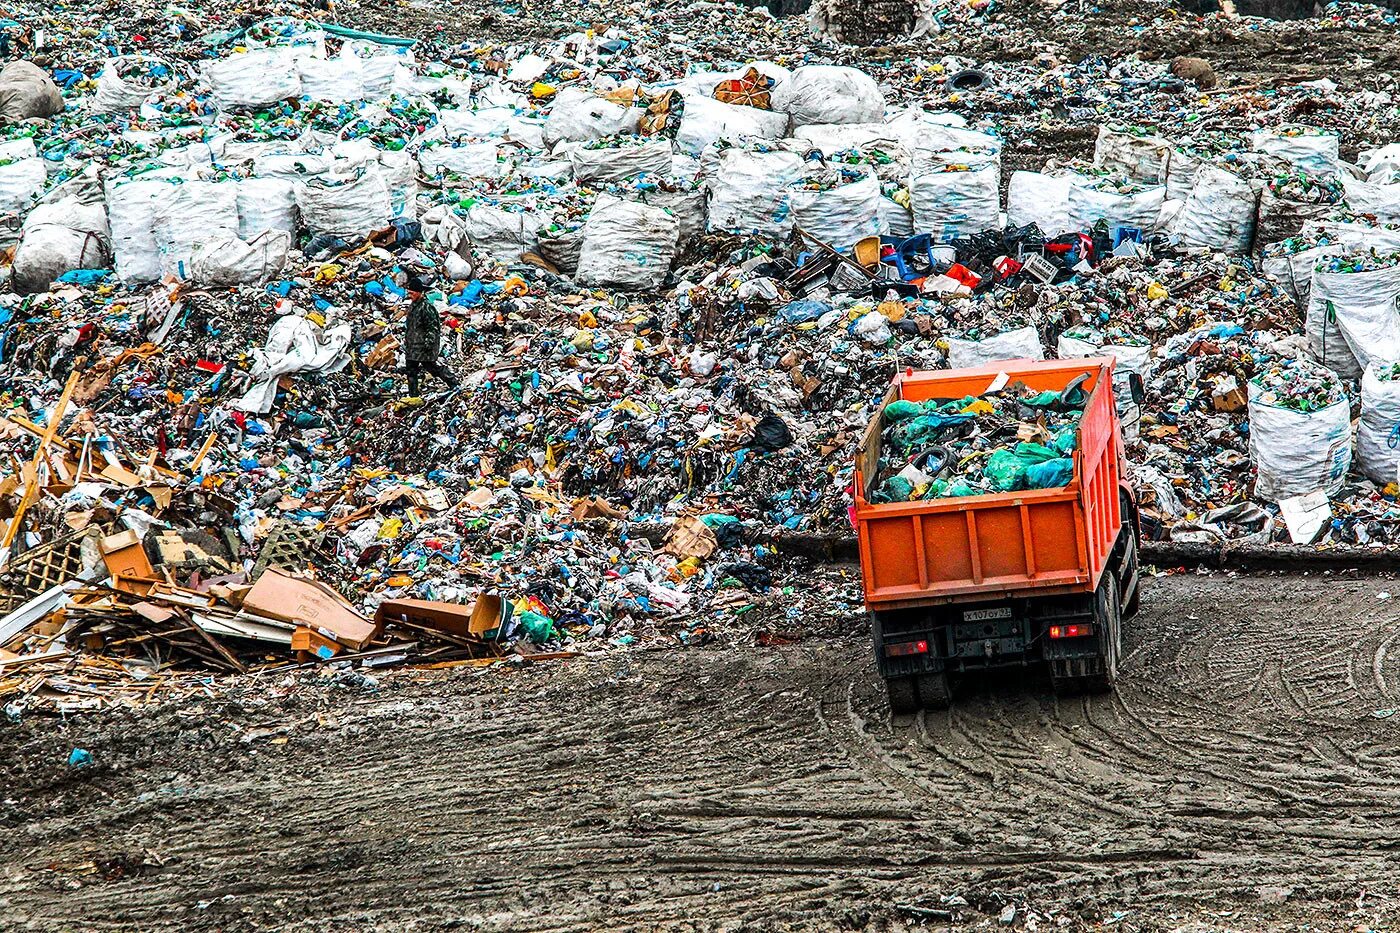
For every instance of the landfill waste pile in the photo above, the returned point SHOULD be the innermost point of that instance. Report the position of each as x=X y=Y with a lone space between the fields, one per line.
x=999 y=442
x=554 y=337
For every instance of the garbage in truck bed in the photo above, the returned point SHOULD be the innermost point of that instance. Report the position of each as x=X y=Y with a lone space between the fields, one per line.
x=1008 y=439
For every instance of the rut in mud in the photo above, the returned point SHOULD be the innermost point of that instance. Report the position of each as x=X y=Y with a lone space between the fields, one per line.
x=1245 y=775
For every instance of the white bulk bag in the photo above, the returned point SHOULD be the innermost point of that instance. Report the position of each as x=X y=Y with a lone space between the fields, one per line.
x=1089 y=203
x=1182 y=167
x=1365 y=197
x=1294 y=452
x=502 y=234
x=333 y=80
x=1023 y=343
x=750 y=194
x=833 y=94
x=131 y=212
x=116 y=93
x=1382 y=166
x=60 y=237
x=345 y=206
x=686 y=204
x=22 y=181
x=1310 y=150
x=1043 y=200
x=1352 y=317
x=379 y=63
x=949 y=202
x=605 y=165
x=840 y=216
x=626 y=244
x=493 y=122
x=1219 y=213
x=470 y=160
x=1141 y=158
x=224 y=261
x=190 y=213
x=409 y=83
x=707 y=121
x=253 y=79
x=1378 y=431
x=266 y=204
x=578 y=116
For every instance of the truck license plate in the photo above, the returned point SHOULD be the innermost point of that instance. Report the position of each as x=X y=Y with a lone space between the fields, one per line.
x=980 y=615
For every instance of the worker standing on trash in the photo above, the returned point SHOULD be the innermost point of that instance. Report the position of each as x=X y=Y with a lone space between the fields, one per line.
x=423 y=340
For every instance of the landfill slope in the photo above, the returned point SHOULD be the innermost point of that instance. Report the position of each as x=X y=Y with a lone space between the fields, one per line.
x=1243 y=777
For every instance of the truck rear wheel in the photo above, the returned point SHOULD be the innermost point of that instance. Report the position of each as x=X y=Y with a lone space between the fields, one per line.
x=1070 y=677
x=933 y=690
x=904 y=696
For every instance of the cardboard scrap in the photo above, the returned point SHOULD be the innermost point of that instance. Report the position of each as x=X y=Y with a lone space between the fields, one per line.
x=302 y=601
x=690 y=537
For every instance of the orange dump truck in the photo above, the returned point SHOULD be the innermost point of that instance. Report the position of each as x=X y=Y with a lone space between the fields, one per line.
x=960 y=585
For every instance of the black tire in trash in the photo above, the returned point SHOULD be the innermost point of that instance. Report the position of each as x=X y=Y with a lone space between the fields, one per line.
x=1067 y=677
x=904 y=698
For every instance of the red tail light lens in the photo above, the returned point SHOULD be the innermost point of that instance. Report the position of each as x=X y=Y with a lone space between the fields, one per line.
x=904 y=648
x=1071 y=631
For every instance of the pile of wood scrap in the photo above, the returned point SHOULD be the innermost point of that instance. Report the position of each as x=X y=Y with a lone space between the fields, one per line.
x=125 y=631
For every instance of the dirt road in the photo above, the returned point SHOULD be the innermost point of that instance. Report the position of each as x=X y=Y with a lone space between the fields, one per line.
x=1246 y=776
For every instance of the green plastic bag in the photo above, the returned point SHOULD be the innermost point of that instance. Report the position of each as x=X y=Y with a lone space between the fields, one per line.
x=900 y=410
x=1051 y=474
x=896 y=489
x=539 y=628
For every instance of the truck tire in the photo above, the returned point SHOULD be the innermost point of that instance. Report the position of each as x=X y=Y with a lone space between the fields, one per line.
x=1132 y=577
x=1065 y=676
x=933 y=690
x=904 y=696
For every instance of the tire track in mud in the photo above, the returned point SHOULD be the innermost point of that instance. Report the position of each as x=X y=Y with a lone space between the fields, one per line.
x=1250 y=746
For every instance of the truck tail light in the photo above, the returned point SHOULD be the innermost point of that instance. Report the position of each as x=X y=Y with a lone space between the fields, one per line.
x=1071 y=631
x=903 y=648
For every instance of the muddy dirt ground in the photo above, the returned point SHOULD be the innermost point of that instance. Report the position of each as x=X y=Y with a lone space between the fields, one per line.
x=1246 y=776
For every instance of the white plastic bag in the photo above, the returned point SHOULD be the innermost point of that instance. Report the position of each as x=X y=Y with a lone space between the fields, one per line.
x=1141 y=158
x=1219 y=213
x=333 y=80
x=191 y=213
x=225 y=261
x=841 y=216
x=1296 y=452
x=1023 y=343
x=949 y=202
x=706 y=121
x=1352 y=317
x=1040 y=199
x=345 y=206
x=1382 y=166
x=627 y=244
x=833 y=94
x=605 y=165
x=750 y=193
x=1378 y=431
x=60 y=237
x=266 y=204
x=578 y=116
x=253 y=79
